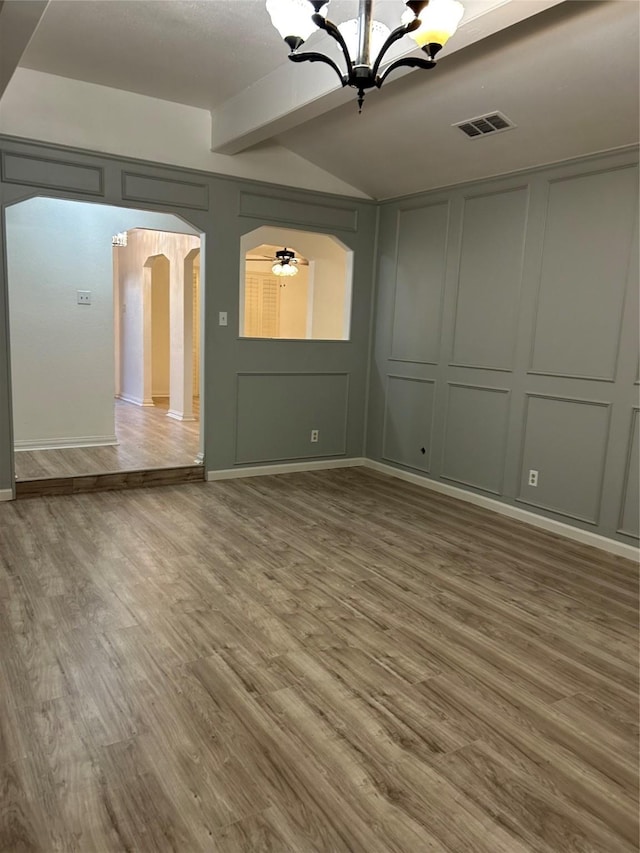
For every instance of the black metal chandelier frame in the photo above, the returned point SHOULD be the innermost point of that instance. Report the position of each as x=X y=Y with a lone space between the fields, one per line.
x=361 y=75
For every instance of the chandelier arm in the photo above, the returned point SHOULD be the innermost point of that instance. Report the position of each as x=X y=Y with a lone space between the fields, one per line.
x=331 y=30
x=393 y=37
x=311 y=56
x=407 y=62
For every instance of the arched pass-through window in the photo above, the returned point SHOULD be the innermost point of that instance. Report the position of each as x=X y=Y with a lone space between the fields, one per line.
x=312 y=304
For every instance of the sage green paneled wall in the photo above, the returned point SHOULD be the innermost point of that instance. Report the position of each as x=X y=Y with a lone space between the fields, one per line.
x=258 y=393
x=506 y=340
x=506 y=327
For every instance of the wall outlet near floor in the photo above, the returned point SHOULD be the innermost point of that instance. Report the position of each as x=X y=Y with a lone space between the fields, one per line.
x=533 y=477
x=84 y=297
x=315 y=435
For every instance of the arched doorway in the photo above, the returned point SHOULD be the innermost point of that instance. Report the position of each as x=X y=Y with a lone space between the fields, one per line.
x=88 y=306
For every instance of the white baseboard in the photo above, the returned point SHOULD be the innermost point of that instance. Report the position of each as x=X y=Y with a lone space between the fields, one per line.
x=285 y=468
x=6 y=495
x=178 y=416
x=586 y=537
x=65 y=443
x=137 y=401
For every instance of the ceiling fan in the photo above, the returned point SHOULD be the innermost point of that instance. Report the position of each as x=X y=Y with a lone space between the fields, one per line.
x=285 y=262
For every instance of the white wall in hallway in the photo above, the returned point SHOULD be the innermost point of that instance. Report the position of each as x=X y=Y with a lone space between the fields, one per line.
x=62 y=353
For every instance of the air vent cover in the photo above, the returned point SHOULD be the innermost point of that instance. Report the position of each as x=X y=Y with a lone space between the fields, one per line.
x=484 y=125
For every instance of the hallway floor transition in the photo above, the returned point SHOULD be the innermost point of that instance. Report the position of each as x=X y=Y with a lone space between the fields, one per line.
x=148 y=439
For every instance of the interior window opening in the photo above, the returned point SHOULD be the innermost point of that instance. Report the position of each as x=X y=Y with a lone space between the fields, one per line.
x=294 y=285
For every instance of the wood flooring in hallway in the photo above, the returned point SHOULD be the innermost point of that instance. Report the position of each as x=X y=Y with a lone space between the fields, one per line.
x=311 y=663
x=147 y=438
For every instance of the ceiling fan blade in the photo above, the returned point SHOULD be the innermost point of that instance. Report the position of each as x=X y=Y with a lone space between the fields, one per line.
x=300 y=263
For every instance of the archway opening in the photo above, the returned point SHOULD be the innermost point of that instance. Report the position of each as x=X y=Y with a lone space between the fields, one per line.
x=96 y=308
x=311 y=302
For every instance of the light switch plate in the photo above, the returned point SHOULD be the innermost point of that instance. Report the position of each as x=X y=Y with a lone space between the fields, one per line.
x=222 y=318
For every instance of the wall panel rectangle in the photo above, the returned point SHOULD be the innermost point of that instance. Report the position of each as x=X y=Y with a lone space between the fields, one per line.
x=148 y=188
x=52 y=174
x=277 y=411
x=489 y=279
x=272 y=208
x=630 y=510
x=589 y=229
x=565 y=440
x=420 y=278
x=476 y=436
x=409 y=422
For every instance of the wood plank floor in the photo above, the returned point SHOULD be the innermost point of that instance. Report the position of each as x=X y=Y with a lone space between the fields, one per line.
x=333 y=661
x=147 y=439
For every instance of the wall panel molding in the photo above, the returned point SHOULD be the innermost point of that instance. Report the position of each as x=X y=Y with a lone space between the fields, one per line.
x=569 y=453
x=276 y=411
x=48 y=173
x=475 y=442
x=588 y=238
x=480 y=367
x=422 y=237
x=274 y=208
x=489 y=279
x=416 y=431
x=630 y=481
x=579 y=376
x=152 y=189
x=580 y=221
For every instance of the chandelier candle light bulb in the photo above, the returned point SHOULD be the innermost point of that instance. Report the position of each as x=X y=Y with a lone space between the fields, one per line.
x=430 y=23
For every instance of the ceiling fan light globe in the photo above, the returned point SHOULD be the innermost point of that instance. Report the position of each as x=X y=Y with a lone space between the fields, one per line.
x=438 y=22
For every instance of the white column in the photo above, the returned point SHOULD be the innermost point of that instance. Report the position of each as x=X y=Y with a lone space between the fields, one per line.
x=181 y=338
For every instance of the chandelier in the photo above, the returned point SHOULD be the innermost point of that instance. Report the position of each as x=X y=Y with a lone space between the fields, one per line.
x=286 y=263
x=119 y=239
x=363 y=41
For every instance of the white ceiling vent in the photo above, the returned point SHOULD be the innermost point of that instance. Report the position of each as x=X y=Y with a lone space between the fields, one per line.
x=485 y=125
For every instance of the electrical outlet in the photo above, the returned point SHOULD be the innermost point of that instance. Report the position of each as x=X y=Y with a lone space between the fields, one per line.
x=315 y=435
x=533 y=477
x=84 y=297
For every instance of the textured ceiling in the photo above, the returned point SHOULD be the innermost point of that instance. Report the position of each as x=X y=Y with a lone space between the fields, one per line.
x=184 y=51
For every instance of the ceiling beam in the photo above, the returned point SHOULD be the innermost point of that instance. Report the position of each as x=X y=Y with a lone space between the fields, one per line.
x=18 y=22
x=289 y=96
